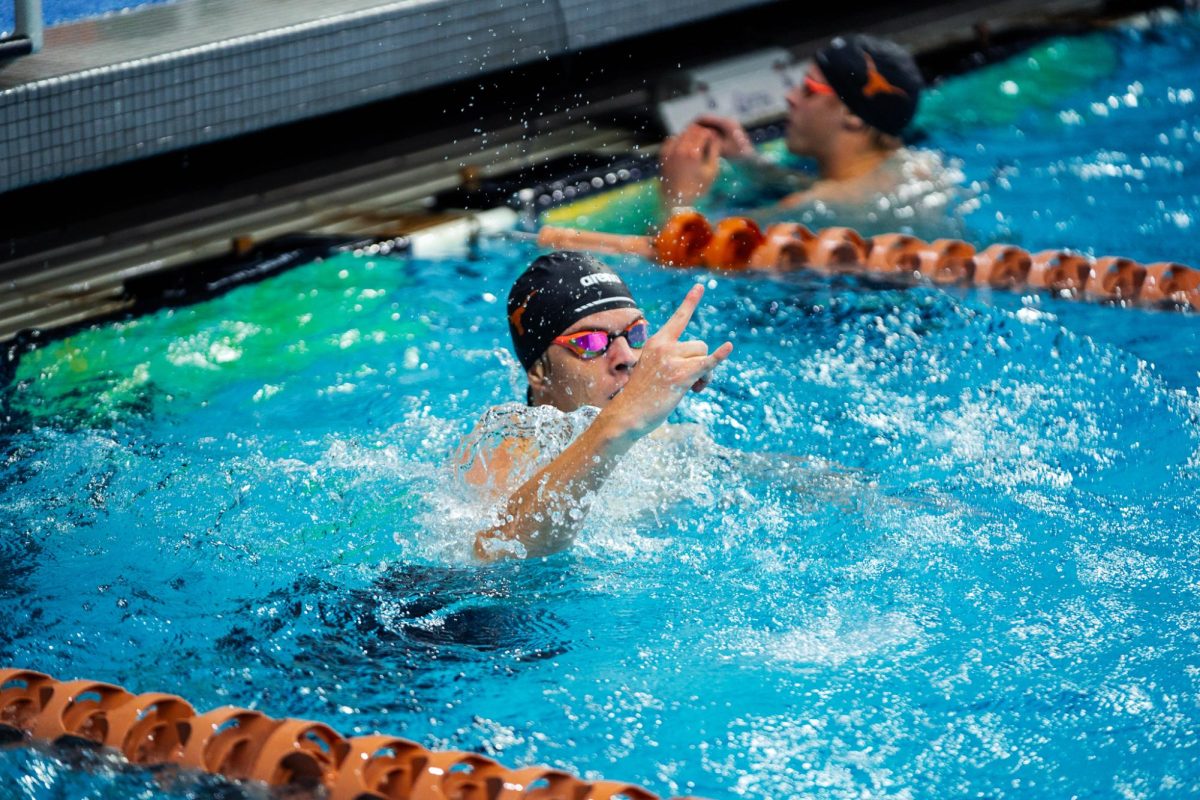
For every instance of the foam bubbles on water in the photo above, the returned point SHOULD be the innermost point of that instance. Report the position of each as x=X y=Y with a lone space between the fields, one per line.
x=791 y=756
x=209 y=349
x=1120 y=567
x=834 y=639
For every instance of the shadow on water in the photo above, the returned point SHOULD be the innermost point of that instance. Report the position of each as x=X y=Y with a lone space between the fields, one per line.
x=405 y=620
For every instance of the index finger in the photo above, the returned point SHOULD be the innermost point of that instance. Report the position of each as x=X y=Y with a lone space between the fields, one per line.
x=674 y=327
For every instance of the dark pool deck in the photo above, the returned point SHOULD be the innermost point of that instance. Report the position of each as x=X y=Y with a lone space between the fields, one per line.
x=108 y=94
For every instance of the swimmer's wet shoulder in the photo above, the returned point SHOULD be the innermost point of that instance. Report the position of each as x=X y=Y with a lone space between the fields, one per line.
x=512 y=441
x=584 y=343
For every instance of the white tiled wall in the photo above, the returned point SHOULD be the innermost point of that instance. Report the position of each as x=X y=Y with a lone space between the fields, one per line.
x=590 y=23
x=99 y=117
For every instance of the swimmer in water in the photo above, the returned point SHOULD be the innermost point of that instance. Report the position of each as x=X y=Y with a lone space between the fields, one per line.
x=583 y=342
x=847 y=115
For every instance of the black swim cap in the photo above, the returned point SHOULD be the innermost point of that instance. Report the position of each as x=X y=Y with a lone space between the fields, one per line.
x=558 y=290
x=877 y=79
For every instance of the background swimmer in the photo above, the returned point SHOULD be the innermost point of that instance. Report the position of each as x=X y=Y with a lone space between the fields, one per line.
x=580 y=335
x=847 y=115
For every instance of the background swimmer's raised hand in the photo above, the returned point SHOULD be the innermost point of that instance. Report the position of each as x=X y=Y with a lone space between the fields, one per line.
x=732 y=138
x=667 y=370
x=688 y=165
x=689 y=162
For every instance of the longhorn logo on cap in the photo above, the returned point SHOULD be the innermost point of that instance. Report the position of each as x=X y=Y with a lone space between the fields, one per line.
x=518 y=312
x=876 y=83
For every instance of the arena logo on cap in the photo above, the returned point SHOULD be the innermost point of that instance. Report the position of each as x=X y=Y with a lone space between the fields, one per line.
x=598 y=277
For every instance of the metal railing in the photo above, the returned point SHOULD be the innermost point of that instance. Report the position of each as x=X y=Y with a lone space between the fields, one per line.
x=26 y=37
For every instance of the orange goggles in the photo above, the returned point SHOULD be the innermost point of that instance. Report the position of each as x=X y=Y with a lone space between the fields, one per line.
x=813 y=86
x=593 y=344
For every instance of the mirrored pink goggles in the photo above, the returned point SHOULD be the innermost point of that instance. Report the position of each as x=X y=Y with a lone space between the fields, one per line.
x=593 y=344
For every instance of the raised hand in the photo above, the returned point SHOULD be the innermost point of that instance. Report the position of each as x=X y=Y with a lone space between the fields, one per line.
x=666 y=371
x=731 y=136
x=688 y=165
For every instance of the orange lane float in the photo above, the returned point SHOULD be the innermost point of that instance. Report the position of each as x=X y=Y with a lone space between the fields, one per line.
x=1060 y=271
x=1168 y=282
x=147 y=729
x=784 y=247
x=1116 y=278
x=1002 y=266
x=736 y=243
x=948 y=262
x=241 y=744
x=837 y=250
x=895 y=253
x=78 y=708
x=732 y=243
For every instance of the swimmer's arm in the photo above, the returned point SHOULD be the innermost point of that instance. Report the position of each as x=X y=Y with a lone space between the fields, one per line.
x=771 y=175
x=546 y=512
x=793 y=201
x=493 y=471
x=817 y=192
x=865 y=188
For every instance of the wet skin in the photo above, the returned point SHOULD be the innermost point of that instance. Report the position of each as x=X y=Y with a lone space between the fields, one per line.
x=813 y=119
x=572 y=382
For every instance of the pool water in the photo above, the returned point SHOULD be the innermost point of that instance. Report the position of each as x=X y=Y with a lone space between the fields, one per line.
x=1110 y=169
x=911 y=543
x=58 y=12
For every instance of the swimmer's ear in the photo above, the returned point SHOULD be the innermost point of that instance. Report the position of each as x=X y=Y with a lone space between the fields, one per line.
x=539 y=374
x=852 y=122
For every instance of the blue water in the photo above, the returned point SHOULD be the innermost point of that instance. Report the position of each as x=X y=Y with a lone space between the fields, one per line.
x=1110 y=170
x=57 y=12
x=929 y=543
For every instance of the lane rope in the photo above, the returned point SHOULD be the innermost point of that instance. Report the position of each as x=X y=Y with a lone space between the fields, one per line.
x=244 y=745
x=737 y=243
